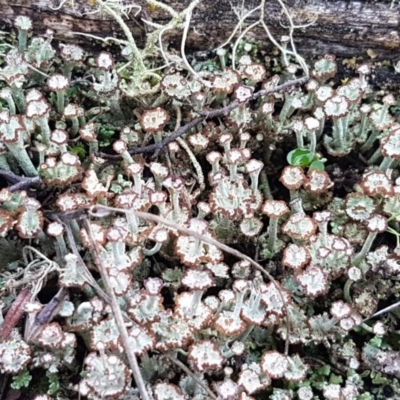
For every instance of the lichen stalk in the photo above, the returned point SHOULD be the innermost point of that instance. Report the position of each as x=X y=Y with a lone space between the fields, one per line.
x=374 y=157
x=60 y=101
x=155 y=249
x=118 y=252
x=339 y=134
x=11 y=105
x=133 y=223
x=370 y=141
x=238 y=304
x=272 y=234
x=358 y=258
x=44 y=126
x=323 y=230
x=22 y=40
x=386 y=163
x=313 y=141
x=23 y=159
x=196 y=299
x=176 y=208
x=62 y=246
x=4 y=163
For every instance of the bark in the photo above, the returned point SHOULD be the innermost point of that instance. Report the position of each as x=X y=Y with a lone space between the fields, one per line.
x=366 y=29
x=342 y=27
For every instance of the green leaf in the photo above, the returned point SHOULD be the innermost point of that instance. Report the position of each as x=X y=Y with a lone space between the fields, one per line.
x=106 y=132
x=266 y=254
x=380 y=379
x=53 y=99
x=366 y=396
x=21 y=380
x=54 y=383
x=71 y=93
x=79 y=150
x=325 y=370
x=335 y=379
x=319 y=165
x=376 y=342
x=300 y=157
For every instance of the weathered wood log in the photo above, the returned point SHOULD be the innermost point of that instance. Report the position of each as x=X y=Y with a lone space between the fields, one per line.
x=354 y=29
x=343 y=27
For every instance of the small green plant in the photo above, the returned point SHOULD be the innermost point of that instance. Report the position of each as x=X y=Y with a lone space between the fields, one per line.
x=79 y=150
x=305 y=158
x=21 y=380
x=54 y=383
x=318 y=378
x=106 y=132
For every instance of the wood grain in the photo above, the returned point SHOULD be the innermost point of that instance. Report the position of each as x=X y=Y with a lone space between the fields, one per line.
x=343 y=27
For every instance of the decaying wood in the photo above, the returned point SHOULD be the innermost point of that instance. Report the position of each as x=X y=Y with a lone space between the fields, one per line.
x=14 y=313
x=343 y=27
x=354 y=30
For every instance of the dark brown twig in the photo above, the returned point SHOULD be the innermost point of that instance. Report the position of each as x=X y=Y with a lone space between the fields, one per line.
x=157 y=147
x=66 y=216
x=3 y=384
x=20 y=182
x=26 y=183
x=45 y=315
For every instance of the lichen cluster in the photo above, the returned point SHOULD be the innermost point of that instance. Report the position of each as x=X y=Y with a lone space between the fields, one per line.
x=188 y=230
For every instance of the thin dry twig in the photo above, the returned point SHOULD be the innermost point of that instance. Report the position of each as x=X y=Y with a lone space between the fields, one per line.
x=383 y=311
x=64 y=219
x=221 y=112
x=192 y=157
x=242 y=18
x=156 y=147
x=88 y=276
x=117 y=314
x=183 y=367
x=284 y=51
